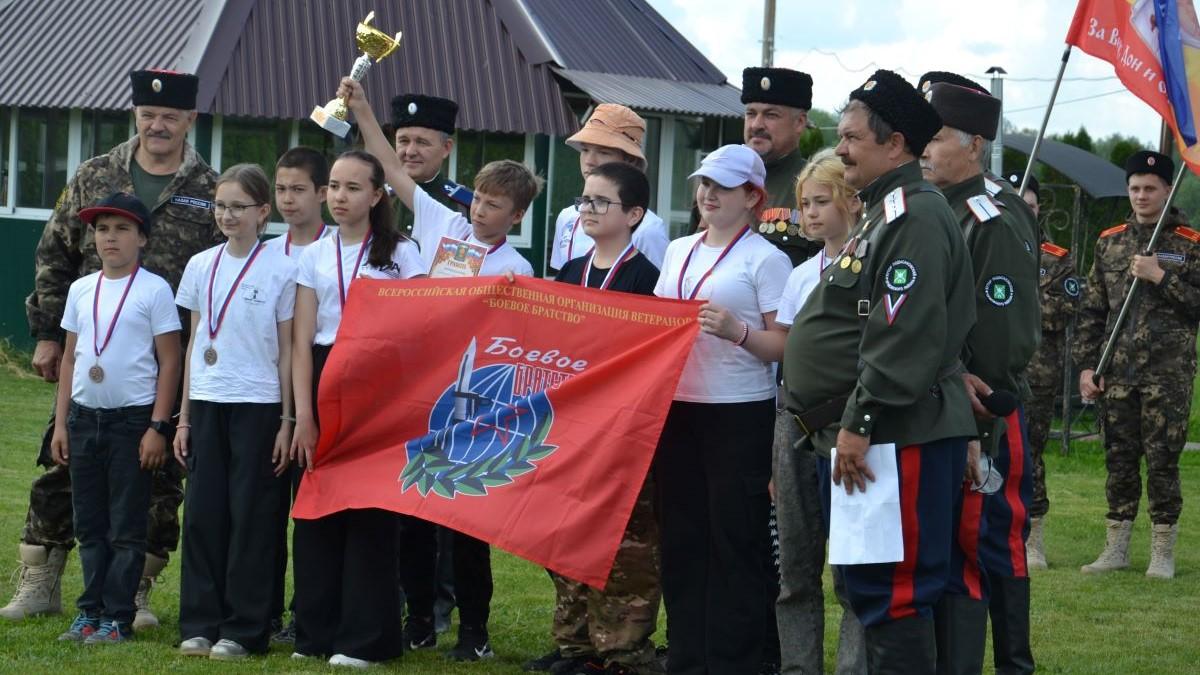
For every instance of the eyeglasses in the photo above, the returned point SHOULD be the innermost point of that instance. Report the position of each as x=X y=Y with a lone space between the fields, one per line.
x=235 y=210
x=598 y=205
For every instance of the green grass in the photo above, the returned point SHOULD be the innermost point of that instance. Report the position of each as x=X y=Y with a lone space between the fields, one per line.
x=1121 y=623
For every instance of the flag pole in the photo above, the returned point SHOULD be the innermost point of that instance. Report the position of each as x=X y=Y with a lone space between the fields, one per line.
x=1037 y=142
x=1106 y=356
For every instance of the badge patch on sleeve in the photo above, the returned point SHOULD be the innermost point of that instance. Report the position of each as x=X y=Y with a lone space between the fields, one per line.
x=184 y=200
x=999 y=290
x=892 y=305
x=900 y=276
x=1166 y=256
x=1071 y=286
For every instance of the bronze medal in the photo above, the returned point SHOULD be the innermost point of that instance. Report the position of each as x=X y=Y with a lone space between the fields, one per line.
x=96 y=374
x=856 y=266
x=845 y=262
x=210 y=356
x=780 y=226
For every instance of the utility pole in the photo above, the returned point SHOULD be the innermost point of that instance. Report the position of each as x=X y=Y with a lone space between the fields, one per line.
x=998 y=74
x=768 y=38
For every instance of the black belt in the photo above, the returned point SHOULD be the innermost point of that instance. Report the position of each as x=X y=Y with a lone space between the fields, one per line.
x=829 y=412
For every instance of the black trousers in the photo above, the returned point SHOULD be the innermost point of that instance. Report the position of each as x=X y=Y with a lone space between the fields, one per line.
x=230 y=514
x=711 y=470
x=472 y=563
x=286 y=497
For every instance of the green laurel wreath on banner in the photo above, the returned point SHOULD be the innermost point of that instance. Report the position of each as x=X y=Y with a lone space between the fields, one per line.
x=432 y=471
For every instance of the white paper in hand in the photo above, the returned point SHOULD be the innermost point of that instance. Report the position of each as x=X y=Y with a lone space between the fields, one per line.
x=865 y=527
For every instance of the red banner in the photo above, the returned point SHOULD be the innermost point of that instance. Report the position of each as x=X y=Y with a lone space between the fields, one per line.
x=525 y=414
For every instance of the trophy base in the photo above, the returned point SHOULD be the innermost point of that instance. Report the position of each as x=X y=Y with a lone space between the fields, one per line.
x=339 y=128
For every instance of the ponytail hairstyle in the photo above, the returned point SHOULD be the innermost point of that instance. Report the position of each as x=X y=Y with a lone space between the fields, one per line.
x=385 y=236
x=253 y=181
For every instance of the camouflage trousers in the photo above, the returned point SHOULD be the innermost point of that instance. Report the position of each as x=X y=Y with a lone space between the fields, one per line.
x=1046 y=381
x=49 y=521
x=1151 y=421
x=616 y=623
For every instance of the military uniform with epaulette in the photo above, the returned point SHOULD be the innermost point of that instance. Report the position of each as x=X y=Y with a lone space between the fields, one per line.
x=1148 y=384
x=875 y=350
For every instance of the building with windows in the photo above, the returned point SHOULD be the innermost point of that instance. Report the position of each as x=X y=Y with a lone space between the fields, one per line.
x=524 y=72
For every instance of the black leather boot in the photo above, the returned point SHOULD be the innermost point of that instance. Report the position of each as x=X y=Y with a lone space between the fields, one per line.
x=961 y=634
x=902 y=647
x=1010 y=626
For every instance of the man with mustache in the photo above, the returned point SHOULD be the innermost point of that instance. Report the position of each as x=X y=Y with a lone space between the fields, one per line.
x=165 y=173
x=424 y=138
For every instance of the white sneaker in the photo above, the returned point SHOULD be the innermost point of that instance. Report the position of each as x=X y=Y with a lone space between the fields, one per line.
x=197 y=646
x=228 y=650
x=348 y=661
x=298 y=656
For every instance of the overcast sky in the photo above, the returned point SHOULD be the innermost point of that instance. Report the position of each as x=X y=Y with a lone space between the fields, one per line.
x=840 y=43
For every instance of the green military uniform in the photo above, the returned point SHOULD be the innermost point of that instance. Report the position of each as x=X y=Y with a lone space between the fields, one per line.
x=1148 y=385
x=183 y=226
x=446 y=192
x=1003 y=191
x=781 y=222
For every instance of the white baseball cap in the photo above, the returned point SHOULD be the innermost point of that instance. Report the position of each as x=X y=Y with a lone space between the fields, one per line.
x=733 y=166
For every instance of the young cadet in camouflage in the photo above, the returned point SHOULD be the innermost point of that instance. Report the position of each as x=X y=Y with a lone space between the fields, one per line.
x=424 y=138
x=1146 y=393
x=998 y=349
x=873 y=357
x=777 y=103
x=159 y=157
x=1059 y=289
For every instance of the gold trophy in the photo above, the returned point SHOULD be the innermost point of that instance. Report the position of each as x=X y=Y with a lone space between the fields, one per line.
x=375 y=44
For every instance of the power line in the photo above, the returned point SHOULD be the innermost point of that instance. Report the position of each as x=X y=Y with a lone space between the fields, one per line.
x=874 y=66
x=1071 y=100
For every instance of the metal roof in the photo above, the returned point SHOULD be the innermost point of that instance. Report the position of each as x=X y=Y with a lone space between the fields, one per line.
x=648 y=93
x=1097 y=176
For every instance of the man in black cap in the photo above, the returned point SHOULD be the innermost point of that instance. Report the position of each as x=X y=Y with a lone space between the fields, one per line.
x=993 y=521
x=777 y=103
x=1146 y=393
x=165 y=172
x=424 y=139
x=873 y=358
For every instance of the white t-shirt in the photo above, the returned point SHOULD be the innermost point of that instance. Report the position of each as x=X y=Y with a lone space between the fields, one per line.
x=800 y=285
x=130 y=369
x=570 y=241
x=247 y=343
x=318 y=271
x=748 y=283
x=294 y=250
x=432 y=220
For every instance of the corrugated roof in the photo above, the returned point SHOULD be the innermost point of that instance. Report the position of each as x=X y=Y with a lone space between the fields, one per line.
x=78 y=53
x=648 y=93
x=291 y=54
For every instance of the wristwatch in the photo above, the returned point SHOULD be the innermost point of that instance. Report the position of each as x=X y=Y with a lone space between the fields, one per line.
x=161 y=426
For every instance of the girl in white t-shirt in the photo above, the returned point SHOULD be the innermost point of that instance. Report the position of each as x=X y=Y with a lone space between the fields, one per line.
x=714 y=457
x=344 y=564
x=235 y=428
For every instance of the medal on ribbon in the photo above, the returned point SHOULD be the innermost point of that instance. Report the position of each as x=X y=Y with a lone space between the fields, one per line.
x=210 y=353
x=96 y=372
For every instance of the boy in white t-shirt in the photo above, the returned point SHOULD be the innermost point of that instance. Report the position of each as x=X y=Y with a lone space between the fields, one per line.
x=112 y=424
x=301 y=181
x=503 y=191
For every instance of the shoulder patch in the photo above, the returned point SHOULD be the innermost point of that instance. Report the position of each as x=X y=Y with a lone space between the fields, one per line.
x=458 y=193
x=195 y=202
x=993 y=188
x=1188 y=233
x=983 y=208
x=1115 y=229
x=894 y=205
x=1054 y=249
x=999 y=290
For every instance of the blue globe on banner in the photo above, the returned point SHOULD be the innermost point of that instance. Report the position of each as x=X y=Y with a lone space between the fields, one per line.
x=482 y=434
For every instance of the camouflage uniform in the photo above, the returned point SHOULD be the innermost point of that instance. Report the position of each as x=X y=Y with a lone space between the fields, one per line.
x=183 y=226
x=1148 y=386
x=616 y=623
x=1059 y=289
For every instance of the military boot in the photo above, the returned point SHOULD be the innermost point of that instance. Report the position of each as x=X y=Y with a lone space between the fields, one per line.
x=1162 y=551
x=1035 y=551
x=39 y=590
x=145 y=616
x=902 y=647
x=960 y=625
x=1115 y=555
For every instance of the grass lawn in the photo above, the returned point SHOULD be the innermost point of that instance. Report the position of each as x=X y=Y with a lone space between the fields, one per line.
x=1121 y=623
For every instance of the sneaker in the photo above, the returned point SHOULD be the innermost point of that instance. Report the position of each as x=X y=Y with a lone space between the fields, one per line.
x=81 y=628
x=110 y=632
x=286 y=634
x=472 y=644
x=299 y=657
x=419 y=634
x=197 y=646
x=228 y=650
x=348 y=661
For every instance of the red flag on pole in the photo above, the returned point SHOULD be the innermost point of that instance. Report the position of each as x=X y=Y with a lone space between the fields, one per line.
x=1154 y=47
x=525 y=414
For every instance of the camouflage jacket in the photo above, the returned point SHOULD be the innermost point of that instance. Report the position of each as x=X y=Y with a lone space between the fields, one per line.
x=1059 y=288
x=1157 y=343
x=183 y=226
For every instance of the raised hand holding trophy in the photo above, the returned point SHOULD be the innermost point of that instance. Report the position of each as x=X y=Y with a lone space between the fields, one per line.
x=375 y=44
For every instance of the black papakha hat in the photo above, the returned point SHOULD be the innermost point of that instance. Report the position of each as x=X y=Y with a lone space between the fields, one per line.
x=779 y=86
x=934 y=76
x=165 y=88
x=1034 y=186
x=120 y=204
x=898 y=103
x=965 y=109
x=419 y=110
x=1147 y=161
